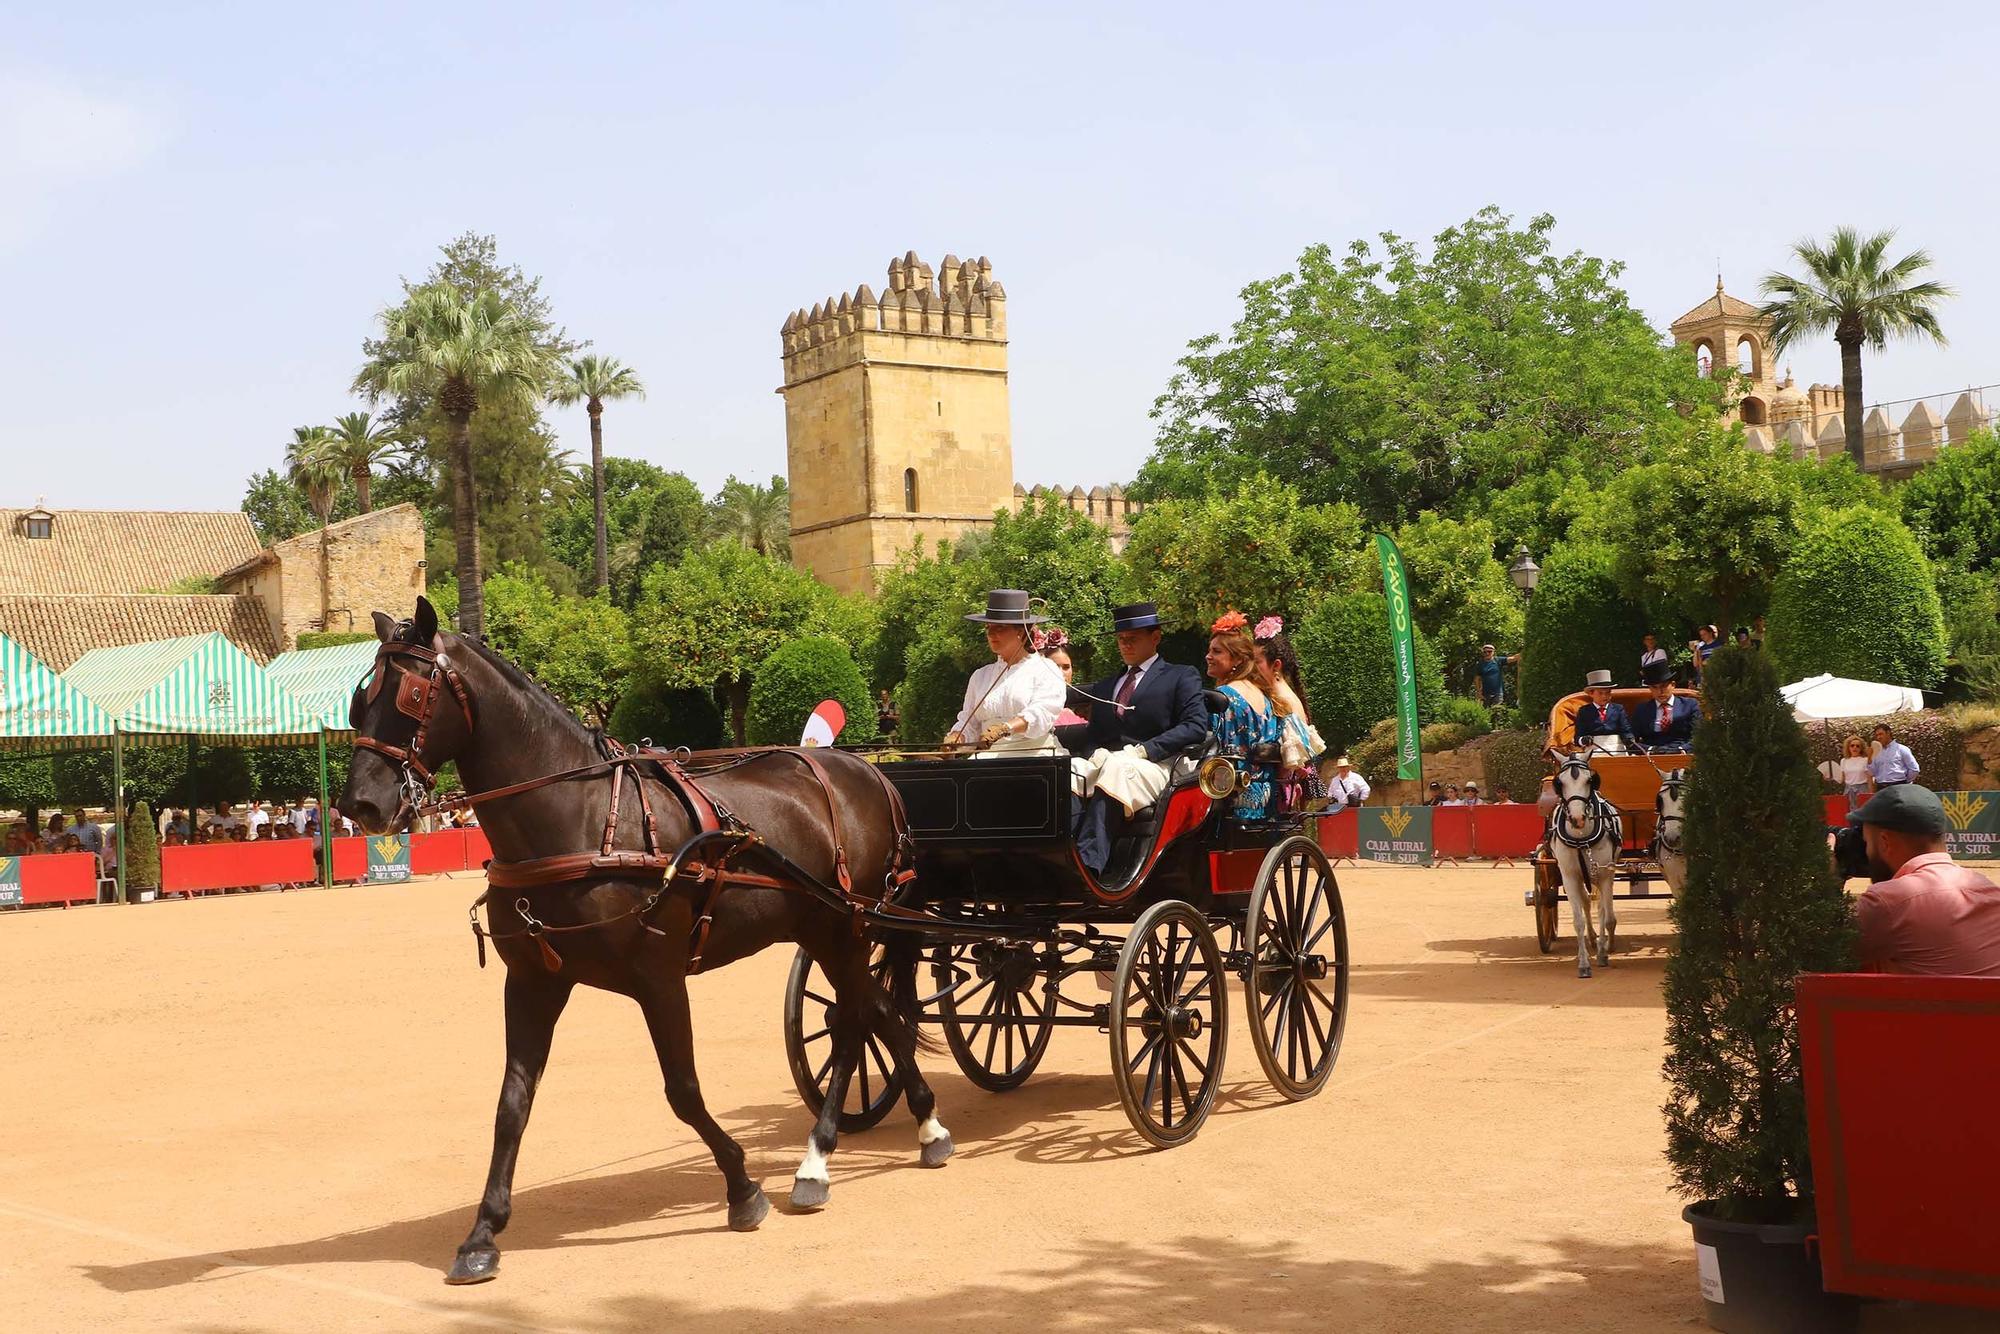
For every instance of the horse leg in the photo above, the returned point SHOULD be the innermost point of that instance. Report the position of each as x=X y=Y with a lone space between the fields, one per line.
x=1576 y=883
x=1607 y=913
x=893 y=1014
x=665 y=1005
x=810 y=1184
x=533 y=1004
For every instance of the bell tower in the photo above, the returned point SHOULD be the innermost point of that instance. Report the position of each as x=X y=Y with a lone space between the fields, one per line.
x=1727 y=332
x=896 y=417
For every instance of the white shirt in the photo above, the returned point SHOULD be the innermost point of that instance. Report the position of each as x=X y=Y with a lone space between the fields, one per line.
x=1345 y=791
x=1853 y=770
x=1651 y=656
x=258 y=818
x=299 y=819
x=1031 y=689
x=1137 y=674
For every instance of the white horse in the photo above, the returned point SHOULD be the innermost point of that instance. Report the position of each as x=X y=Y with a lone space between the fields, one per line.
x=1585 y=836
x=1667 y=831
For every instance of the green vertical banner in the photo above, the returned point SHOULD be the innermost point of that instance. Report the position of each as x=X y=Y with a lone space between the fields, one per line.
x=10 y=881
x=388 y=858
x=1974 y=817
x=1403 y=644
x=1399 y=834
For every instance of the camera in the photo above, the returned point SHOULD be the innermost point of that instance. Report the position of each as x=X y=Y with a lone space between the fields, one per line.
x=423 y=565
x=1850 y=854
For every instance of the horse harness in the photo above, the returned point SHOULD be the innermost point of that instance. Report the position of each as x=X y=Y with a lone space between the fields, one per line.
x=1600 y=813
x=716 y=826
x=1662 y=842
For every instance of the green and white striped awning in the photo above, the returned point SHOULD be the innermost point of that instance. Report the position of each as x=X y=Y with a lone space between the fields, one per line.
x=41 y=711
x=322 y=680
x=200 y=685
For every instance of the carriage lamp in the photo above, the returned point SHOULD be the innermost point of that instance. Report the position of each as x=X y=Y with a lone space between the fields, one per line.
x=1524 y=572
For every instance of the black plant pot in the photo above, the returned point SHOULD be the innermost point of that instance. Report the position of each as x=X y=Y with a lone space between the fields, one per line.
x=1763 y=1278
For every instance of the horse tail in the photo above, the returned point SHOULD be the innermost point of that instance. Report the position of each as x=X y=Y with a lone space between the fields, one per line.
x=901 y=956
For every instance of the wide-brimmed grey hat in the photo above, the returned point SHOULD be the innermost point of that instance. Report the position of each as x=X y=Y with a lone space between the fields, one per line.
x=1597 y=680
x=1007 y=606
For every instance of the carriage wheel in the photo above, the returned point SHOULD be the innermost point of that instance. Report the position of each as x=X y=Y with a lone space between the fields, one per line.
x=1296 y=986
x=1169 y=1023
x=1545 y=904
x=1008 y=1013
x=810 y=1011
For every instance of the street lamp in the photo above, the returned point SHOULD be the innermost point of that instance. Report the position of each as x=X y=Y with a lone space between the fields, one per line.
x=1524 y=572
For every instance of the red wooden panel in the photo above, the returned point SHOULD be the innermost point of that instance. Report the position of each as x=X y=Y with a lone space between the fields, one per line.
x=1340 y=835
x=1235 y=872
x=350 y=858
x=1513 y=830
x=435 y=854
x=237 y=865
x=1900 y=1092
x=59 y=877
x=478 y=851
x=1451 y=831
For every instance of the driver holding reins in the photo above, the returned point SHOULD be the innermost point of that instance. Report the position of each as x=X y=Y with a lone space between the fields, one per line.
x=1666 y=721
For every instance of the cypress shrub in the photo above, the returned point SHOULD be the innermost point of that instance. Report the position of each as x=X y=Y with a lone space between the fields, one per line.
x=794 y=679
x=668 y=717
x=1514 y=760
x=1350 y=670
x=1578 y=621
x=1856 y=598
x=142 y=849
x=1762 y=904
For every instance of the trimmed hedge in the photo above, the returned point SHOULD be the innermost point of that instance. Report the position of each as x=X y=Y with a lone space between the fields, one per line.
x=1856 y=598
x=329 y=638
x=1578 y=622
x=1514 y=760
x=142 y=849
x=1932 y=737
x=669 y=717
x=790 y=683
x=1349 y=667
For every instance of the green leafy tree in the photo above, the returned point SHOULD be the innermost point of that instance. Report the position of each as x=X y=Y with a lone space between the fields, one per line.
x=142 y=848
x=708 y=622
x=578 y=648
x=653 y=517
x=1462 y=595
x=1259 y=548
x=594 y=381
x=1953 y=504
x=1856 y=598
x=310 y=465
x=1402 y=381
x=286 y=773
x=921 y=591
x=936 y=666
x=361 y=444
x=1578 y=621
x=758 y=518
x=1852 y=289
x=27 y=783
x=458 y=351
x=1761 y=905
x=1349 y=667
x=667 y=717
x=278 y=509
x=790 y=684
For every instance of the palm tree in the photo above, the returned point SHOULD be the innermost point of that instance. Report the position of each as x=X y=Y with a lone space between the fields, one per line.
x=360 y=444
x=1848 y=288
x=313 y=468
x=458 y=350
x=760 y=517
x=594 y=381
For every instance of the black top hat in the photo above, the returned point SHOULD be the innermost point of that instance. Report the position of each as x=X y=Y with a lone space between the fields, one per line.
x=1135 y=616
x=1658 y=673
x=1007 y=606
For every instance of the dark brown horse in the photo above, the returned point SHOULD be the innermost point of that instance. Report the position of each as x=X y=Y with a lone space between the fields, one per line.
x=435 y=697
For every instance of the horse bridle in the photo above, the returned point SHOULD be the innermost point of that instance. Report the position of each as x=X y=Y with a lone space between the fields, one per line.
x=416 y=697
x=1594 y=809
x=1667 y=844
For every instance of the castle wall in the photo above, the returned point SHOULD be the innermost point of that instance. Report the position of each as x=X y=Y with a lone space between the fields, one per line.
x=370 y=563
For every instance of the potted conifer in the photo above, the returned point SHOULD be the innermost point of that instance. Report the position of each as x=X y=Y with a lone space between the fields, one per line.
x=1761 y=905
x=142 y=855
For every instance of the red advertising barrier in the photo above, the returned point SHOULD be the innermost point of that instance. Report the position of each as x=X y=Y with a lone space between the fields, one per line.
x=1451 y=831
x=59 y=877
x=435 y=854
x=284 y=861
x=1512 y=831
x=350 y=859
x=1836 y=808
x=478 y=851
x=1340 y=835
x=1905 y=1201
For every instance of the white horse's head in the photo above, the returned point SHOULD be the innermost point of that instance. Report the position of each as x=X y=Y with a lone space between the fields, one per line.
x=1667 y=806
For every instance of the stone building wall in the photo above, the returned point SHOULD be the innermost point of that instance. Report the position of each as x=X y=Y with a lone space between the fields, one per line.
x=333 y=578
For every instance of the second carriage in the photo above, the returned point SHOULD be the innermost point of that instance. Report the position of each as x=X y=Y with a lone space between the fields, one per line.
x=1020 y=939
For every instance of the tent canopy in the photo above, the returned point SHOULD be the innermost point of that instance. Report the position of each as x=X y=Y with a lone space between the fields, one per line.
x=41 y=711
x=200 y=685
x=322 y=680
x=1830 y=696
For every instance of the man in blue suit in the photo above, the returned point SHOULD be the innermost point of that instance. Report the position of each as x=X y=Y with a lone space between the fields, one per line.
x=1666 y=721
x=1140 y=720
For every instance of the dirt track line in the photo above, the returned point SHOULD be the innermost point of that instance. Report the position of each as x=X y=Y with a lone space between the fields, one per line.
x=1460 y=1041
x=162 y=1249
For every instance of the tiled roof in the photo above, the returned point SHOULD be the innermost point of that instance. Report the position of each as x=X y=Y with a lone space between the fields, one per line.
x=121 y=551
x=1721 y=304
x=59 y=630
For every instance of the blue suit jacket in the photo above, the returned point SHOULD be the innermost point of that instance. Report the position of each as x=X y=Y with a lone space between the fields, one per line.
x=1167 y=713
x=1677 y=729
x=1612 y=722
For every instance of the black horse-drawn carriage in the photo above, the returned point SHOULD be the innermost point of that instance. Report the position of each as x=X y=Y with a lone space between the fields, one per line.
x=1009 y=915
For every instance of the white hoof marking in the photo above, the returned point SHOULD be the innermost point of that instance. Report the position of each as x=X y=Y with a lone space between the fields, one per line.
x=814 y=1166
x=931 y=1131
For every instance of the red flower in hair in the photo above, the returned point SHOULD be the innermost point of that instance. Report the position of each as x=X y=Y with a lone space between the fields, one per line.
x=1055 y=637
x=1229 y=620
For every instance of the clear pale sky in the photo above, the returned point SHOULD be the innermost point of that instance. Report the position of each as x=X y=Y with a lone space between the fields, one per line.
x=201 y=212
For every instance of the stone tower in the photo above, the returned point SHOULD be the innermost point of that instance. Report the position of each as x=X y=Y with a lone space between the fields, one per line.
x=1729 y=332
x=896 y=419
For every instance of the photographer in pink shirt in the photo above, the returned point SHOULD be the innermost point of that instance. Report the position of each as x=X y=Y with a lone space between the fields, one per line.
x=1925 y=913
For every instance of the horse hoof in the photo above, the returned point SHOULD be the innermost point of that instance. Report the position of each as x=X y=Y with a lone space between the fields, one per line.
x=809 y=1194
x=746 y=1216
x=476 y=1266
x=1583 y=972
x=937 y=1151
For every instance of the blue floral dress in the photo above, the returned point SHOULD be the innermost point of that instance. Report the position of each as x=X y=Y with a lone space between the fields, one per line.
x=1241 y=728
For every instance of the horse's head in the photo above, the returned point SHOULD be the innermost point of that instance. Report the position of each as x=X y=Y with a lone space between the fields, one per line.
x=1667 y=806
x=1576 y=780
x=411 y=714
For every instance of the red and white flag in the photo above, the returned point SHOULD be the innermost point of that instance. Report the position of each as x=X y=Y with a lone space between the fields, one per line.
x=824 y=724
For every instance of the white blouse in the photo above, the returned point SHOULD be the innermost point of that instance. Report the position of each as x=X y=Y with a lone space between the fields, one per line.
x=1031 y=689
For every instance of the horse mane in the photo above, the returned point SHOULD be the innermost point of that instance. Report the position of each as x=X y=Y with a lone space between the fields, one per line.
x=514 y=676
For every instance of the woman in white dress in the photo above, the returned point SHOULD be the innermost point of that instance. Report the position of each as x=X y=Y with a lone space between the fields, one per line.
x=1011 y=703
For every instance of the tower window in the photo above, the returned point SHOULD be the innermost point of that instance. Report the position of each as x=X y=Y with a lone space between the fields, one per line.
x=910 y=490
x=1704 y=359
x=1746 y=357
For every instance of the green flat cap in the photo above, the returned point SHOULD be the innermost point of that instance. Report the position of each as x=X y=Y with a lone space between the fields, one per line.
x=1907 y=808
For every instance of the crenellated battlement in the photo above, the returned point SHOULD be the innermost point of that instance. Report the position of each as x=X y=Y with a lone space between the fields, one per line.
x=958 y=299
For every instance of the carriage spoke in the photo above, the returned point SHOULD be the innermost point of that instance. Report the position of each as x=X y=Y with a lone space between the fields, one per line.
x=1272 y=1002
x=1013 y=1010
x=812 y=995
x=1153 y=1068
x=960 y=1002
x=861 y=1068
x=1188 y=1051
x=1318 y=935
x=1312 y=1015
x=1180 y=1076
x=1132 y=1065
x=815 y=1037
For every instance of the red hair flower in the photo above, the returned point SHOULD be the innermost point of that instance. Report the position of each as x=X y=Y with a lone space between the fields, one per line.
x=1229 y=620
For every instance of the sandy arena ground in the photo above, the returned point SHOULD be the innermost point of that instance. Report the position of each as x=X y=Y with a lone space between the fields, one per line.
x=273 y=1111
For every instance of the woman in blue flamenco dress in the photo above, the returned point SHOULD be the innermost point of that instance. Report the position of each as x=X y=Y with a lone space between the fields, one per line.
x=1252 y=720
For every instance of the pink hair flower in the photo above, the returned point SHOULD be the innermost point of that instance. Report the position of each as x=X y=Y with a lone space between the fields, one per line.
x=1269 y=627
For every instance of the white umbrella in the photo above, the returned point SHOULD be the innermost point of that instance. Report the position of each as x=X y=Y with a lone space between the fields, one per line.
x=1829 y=696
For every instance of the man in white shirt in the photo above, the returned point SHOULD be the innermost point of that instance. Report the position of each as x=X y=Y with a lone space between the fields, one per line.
x=257 y=818
x=1345 y=788
x=223 y=818
x=1650 y=653
x=301 y=816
